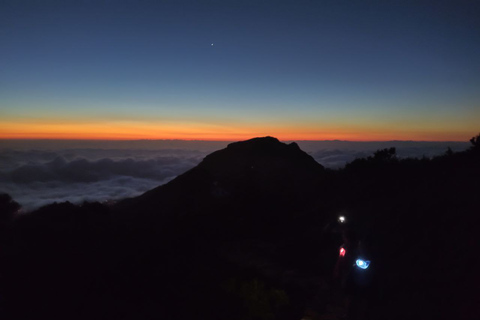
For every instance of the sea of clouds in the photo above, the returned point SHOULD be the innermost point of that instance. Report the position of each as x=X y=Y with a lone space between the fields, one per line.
x=36 y=173
x=335 y=154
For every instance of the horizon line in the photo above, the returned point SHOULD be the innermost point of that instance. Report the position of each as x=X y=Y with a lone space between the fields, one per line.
x=223 y=140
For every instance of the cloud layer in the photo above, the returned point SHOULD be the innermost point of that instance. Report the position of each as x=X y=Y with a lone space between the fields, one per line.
x=335 y=154
x=94 y=172
x=35 y=178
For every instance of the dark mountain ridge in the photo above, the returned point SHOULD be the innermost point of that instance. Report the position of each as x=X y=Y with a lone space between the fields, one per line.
x=260 y=177
x=251 y=233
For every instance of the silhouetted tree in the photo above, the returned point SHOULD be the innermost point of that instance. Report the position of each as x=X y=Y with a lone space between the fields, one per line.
x=475 y=141
x=385 y=155
x=258 y=301
x=7 y=207
x=449 y=152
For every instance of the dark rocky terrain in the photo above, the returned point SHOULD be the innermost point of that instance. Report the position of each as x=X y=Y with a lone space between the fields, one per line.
x=252 y=233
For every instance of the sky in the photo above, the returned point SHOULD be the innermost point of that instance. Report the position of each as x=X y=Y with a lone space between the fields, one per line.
x=232 y=70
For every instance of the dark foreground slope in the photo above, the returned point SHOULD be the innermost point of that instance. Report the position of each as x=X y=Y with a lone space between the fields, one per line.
x=251 y=233
x=204 y=245
x=421 y=221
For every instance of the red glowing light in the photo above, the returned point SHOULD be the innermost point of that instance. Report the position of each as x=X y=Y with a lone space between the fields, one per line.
x=342 y=252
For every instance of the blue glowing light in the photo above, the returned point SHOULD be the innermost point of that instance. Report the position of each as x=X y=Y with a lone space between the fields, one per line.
x=362 y=264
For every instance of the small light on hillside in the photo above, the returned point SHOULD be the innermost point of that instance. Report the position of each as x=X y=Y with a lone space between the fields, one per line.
x=341 y=219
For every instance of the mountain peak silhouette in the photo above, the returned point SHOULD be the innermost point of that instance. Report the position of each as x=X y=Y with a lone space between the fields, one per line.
x=256 y=143
x=266 y=152
x=264 y=144
x=257 y=173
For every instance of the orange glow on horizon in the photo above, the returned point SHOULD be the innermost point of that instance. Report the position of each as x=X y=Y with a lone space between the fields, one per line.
x=124 y=130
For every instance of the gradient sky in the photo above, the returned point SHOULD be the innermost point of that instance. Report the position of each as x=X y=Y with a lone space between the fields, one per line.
x=351 y=70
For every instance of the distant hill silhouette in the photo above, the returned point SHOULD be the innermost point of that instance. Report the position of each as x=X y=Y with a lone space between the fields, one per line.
x=251 y=233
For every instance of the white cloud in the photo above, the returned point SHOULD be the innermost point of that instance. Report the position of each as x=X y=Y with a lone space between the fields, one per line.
x=38 y=177
x=335 y=154
x=39 y=174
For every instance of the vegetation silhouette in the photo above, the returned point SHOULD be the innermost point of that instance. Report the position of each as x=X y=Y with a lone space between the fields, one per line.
x=252 y=233
x=8 y=207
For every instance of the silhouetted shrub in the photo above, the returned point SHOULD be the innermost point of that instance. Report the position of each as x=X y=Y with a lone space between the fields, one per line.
x=258 y=302
x=475 y=141
x=7 y=207
x=385 y=155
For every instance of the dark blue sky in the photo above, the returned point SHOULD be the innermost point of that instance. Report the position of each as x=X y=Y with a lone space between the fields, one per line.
x=295 y=69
